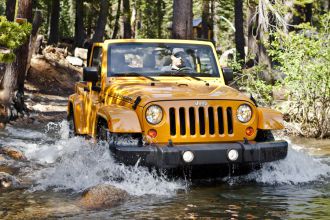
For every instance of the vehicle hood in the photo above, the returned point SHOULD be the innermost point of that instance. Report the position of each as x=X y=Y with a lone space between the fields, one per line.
x=170 y=91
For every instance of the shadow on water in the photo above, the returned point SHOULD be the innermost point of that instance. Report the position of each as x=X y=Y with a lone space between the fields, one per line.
x=60 y=168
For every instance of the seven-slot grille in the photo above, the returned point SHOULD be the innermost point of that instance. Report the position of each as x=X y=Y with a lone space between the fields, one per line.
x=201 y=120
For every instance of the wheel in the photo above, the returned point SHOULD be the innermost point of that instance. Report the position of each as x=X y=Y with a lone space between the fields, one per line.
x=117 y=140
x=264 y=135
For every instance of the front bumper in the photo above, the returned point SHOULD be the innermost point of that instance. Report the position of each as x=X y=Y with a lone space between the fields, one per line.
x=204 y=154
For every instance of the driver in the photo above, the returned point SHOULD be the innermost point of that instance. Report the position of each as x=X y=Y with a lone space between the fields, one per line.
x=177 y=63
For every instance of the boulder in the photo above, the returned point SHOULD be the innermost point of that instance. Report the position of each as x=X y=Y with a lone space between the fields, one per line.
x=7 y=180
x=81 y=53
x=102 y=197
x=13 y=153
x=75 y=61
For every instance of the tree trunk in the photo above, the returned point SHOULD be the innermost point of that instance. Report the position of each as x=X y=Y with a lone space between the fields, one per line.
x=10 y=9
x=127 y=19
x=12 y=83
x=160 y=5
x=116 y=26
x=133 y=20
x=79 y=24
x=182 y=27
x=212 y=22
x=239 y=33
x=205 y=19
x=37 y=21
x=54 y=21
x=309 y=13
x=102 y=21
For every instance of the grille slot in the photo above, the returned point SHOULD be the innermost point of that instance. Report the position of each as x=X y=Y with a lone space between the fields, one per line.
x=230 y=120
x=172 y=122
x=182 y=118
x=201 y=116
x=220 y=121
x=192 y=121
x=211 y=120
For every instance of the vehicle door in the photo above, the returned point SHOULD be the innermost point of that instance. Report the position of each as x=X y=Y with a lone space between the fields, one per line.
x=92 y=102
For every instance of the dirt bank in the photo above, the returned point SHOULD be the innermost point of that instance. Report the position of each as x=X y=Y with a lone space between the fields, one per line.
x=47 y=88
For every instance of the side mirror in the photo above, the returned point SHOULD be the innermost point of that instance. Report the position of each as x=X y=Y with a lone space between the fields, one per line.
x=228 y=74
x=91 y=74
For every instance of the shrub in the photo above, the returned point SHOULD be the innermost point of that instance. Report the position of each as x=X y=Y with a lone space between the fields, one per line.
x=304 y=57
x=12 y=35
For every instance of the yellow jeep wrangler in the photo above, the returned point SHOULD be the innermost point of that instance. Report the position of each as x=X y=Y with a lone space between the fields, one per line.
x=165 y=104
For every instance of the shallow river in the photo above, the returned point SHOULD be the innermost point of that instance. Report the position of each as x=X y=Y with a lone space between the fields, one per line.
x=60 y=168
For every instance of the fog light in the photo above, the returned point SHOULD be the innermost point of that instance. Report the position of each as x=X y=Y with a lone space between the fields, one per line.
x=232 y=155
x=249 y=131
x=152 y=133
x=188 y=156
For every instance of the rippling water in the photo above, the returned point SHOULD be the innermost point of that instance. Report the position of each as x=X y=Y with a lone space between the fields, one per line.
x=62 y=167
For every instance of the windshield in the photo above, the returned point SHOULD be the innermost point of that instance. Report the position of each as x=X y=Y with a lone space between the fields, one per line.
x=160 y=59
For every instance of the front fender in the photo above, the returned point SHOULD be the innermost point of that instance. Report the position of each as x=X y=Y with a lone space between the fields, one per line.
x=120 y=119
x=76 y=102
x=269 y=119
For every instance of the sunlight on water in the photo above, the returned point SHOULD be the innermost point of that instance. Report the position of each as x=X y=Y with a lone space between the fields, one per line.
x=76 y=164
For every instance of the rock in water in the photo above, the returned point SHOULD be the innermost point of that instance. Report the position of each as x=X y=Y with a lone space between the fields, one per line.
x=7 y=180
x=13 y=153
x=102 y=197
x=75 y=61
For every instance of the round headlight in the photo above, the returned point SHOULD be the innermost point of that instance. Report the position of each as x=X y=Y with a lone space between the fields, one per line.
x=154 y=114
x=244 y=113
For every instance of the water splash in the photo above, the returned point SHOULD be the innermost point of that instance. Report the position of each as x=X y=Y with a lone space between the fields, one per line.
x=76 y=164
x=297 y=168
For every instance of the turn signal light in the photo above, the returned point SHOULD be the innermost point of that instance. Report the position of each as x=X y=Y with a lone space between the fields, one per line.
x=249 y=131
x=152 y=133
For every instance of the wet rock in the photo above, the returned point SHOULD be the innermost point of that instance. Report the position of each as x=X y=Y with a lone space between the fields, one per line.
x=13 y=153
x=8 y=181
x=2 y=158
x=102 y=197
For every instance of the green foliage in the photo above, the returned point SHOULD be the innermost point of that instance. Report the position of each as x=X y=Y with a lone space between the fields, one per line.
x=66 y=23
x=225 y=36
x=2 y=7
x=252 y=82
x=304 y=57
x=12 y=35
x=151 y=17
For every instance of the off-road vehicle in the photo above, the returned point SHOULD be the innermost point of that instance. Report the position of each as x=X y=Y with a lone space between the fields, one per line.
x=165 y=104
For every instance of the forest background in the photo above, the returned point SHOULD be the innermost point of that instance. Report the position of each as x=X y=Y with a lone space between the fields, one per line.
x=279 y=49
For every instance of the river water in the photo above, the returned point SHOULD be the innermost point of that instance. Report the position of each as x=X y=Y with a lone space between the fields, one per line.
x=61 y=168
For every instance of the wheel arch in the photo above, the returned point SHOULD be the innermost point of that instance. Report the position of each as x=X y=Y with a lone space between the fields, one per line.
x=119 y=119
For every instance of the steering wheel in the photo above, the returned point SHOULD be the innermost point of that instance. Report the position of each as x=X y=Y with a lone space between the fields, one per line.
x=185 y=68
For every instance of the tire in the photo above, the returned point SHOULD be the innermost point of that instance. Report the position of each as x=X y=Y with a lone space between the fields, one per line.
x=264 y=136
x=117 y=140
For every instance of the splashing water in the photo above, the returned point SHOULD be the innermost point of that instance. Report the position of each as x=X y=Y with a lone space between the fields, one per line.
x=298 y=167
x=76 y=164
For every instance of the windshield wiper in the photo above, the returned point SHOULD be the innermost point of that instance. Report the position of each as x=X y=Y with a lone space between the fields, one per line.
x=174 y=73
x=135 y=74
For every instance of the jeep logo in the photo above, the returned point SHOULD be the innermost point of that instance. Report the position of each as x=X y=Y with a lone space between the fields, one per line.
x=201 y=103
